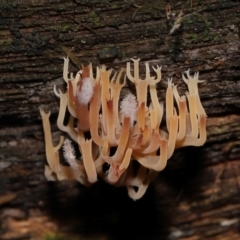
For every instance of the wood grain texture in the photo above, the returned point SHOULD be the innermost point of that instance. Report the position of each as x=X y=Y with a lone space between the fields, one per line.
x=197 y=196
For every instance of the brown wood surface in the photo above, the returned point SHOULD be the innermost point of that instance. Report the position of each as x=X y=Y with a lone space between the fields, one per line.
x=197 y=196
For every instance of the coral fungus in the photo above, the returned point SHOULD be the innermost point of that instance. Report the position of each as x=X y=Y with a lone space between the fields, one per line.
x=123 y=129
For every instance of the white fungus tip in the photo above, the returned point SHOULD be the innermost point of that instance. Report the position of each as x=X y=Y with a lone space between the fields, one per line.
x=69 y=153
x=128 y=107
x=85 y=94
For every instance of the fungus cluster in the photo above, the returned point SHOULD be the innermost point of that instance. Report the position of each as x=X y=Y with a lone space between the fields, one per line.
x=119 y=137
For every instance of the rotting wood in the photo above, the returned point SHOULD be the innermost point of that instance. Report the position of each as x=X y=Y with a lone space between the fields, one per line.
x=197 y=195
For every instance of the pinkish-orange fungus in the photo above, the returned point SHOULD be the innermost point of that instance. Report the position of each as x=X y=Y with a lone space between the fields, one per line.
x=123 y=128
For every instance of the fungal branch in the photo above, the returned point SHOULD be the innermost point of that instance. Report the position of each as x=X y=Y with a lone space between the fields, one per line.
x=121 y=128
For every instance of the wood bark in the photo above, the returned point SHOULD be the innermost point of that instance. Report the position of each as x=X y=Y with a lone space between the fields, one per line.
x=197 y=196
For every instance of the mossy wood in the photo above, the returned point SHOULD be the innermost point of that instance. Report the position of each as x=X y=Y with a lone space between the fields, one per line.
x=197 y=195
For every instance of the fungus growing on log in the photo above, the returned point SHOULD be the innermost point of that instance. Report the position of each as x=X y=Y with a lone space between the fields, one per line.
x=121 y=131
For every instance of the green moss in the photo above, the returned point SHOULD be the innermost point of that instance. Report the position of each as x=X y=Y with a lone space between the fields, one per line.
x=191 y=37
x=187 y=21
x=216 y=39
x=94 y=19
x=6 y=42
x=9 y=41
x=207 y=24
x=65 y=28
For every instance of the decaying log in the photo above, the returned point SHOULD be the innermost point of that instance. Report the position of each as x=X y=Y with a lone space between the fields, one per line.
x=197 y=196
